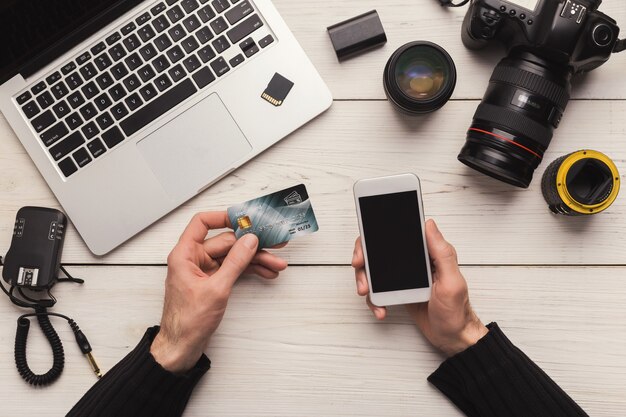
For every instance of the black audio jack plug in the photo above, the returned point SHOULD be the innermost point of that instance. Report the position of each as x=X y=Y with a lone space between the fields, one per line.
x=85 y=347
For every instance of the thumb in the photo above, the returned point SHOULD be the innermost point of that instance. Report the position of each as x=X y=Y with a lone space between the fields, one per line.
x=238 y=258
x=441 y=252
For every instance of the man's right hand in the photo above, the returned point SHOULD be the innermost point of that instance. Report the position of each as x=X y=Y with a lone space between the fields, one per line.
x=447 y=320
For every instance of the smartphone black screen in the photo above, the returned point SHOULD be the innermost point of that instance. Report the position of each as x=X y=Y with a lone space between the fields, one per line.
x=393 y=238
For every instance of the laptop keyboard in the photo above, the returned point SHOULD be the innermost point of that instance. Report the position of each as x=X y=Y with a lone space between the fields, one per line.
x=138 y=73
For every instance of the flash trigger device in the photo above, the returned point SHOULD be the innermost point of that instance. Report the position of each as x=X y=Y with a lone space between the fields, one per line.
x=34 y=259
x=277 y=90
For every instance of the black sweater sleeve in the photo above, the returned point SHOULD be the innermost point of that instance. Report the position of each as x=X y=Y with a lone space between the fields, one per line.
x=138 y=386
x=493 y=378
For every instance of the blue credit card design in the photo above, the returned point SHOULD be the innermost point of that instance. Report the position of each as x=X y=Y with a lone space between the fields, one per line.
x=275 y=218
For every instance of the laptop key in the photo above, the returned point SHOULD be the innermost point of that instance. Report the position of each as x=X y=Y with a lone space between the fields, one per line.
x=170 y=2
x=61 y=109
x=104 y=80
x=206 y=54
x=53 y=134
x=67 y=167
x=81 y=157
x=143 y=19
x=147 y=52
x=117 y=92
x=114 y=37
x=90 y=130
x=76 y=99
x=112 y=137
x=219 y=25
x=148 y=92
x=203 y=77
x=88 y=71
x=251 y=51
x=190 y=5
x=45 y=99
x=190 y=44
x=133 y=101
x=43 y=121
x=191 y=24
x=238 y=59
x=98 y=48
x=104 y=120
x=177 y=73
x=84 y=57
x=204 y=35
x=38 y=88
x=159 y=106
x=96 y=147
x=246 y=44
x=119 y=111
x=117 y=52
x=146 y=33
x=160 y=24
x=266 y=41
x=103 y=101
x=90 y=90
x=158 y=9
x=30 y=109
x=239 y=12
x=132 y=82
x=245 y=28
x=146 y=73
x=177 y=33
x=175 y=54
x=133 y=61
x=53 y=78
x=119 y=71
x=162 y=83
x=175 y=14
x=88 y=111
x=103 y=62
x=69 y=67
x=23 y=98
x=206 y=13
x=74 y=80
x=220 y=44
x=191 y=63
x=163 y=42
x=67 y=145
x=220 y=5
x=132 y=42
x=128 y=28
x=59 y=90
x=220 y=67
x=74 y=121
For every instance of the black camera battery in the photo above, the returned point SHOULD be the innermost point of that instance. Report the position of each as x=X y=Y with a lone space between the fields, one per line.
x=357 y=35
x=34 y=259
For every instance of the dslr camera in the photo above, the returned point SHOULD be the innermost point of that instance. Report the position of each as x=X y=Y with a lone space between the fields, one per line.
x=547 y=42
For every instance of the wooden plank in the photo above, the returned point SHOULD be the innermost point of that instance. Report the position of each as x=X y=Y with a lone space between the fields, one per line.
x=306 y=345
x=489 y=222
x=410 y=20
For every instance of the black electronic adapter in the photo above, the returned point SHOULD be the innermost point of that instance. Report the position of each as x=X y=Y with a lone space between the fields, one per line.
x=34 y=259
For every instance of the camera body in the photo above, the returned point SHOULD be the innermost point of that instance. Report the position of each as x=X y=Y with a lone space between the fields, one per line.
x=571 y=33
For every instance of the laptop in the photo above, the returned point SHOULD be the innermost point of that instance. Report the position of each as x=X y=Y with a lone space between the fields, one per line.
x=129 y=108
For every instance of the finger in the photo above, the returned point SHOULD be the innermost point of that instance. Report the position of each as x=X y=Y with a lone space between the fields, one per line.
x=279 y=246
x=262 y=271
x=358 y=260
x=218 y=246
x=362 y=286
x=270 y=261
x=442 y=253
x=379 y=312
x=201 y=223
x=238 y=259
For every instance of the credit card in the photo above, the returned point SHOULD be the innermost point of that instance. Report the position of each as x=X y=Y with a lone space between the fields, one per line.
x=275 y=218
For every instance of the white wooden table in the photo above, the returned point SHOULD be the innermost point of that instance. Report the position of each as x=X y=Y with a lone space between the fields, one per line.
x=305 y=345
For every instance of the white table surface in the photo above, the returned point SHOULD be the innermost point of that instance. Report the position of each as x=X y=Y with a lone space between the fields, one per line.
x=306 y=345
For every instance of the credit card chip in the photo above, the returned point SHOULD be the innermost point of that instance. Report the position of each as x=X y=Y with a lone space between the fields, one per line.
x=244 y=222
x=277 y=90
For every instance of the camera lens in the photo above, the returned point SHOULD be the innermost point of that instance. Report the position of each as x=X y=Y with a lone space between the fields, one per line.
x=419 y=77
x=581 y=183
x=514 y=124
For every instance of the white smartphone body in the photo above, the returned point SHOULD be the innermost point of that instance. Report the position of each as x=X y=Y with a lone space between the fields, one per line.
x=391 y=221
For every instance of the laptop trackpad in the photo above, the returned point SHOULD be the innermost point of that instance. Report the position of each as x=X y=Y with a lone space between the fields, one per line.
x=195 y=148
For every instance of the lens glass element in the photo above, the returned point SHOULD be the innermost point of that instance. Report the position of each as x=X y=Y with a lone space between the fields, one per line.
x=421 y=72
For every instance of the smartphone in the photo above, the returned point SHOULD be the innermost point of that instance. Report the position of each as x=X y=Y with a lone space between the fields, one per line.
x=391 y=221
